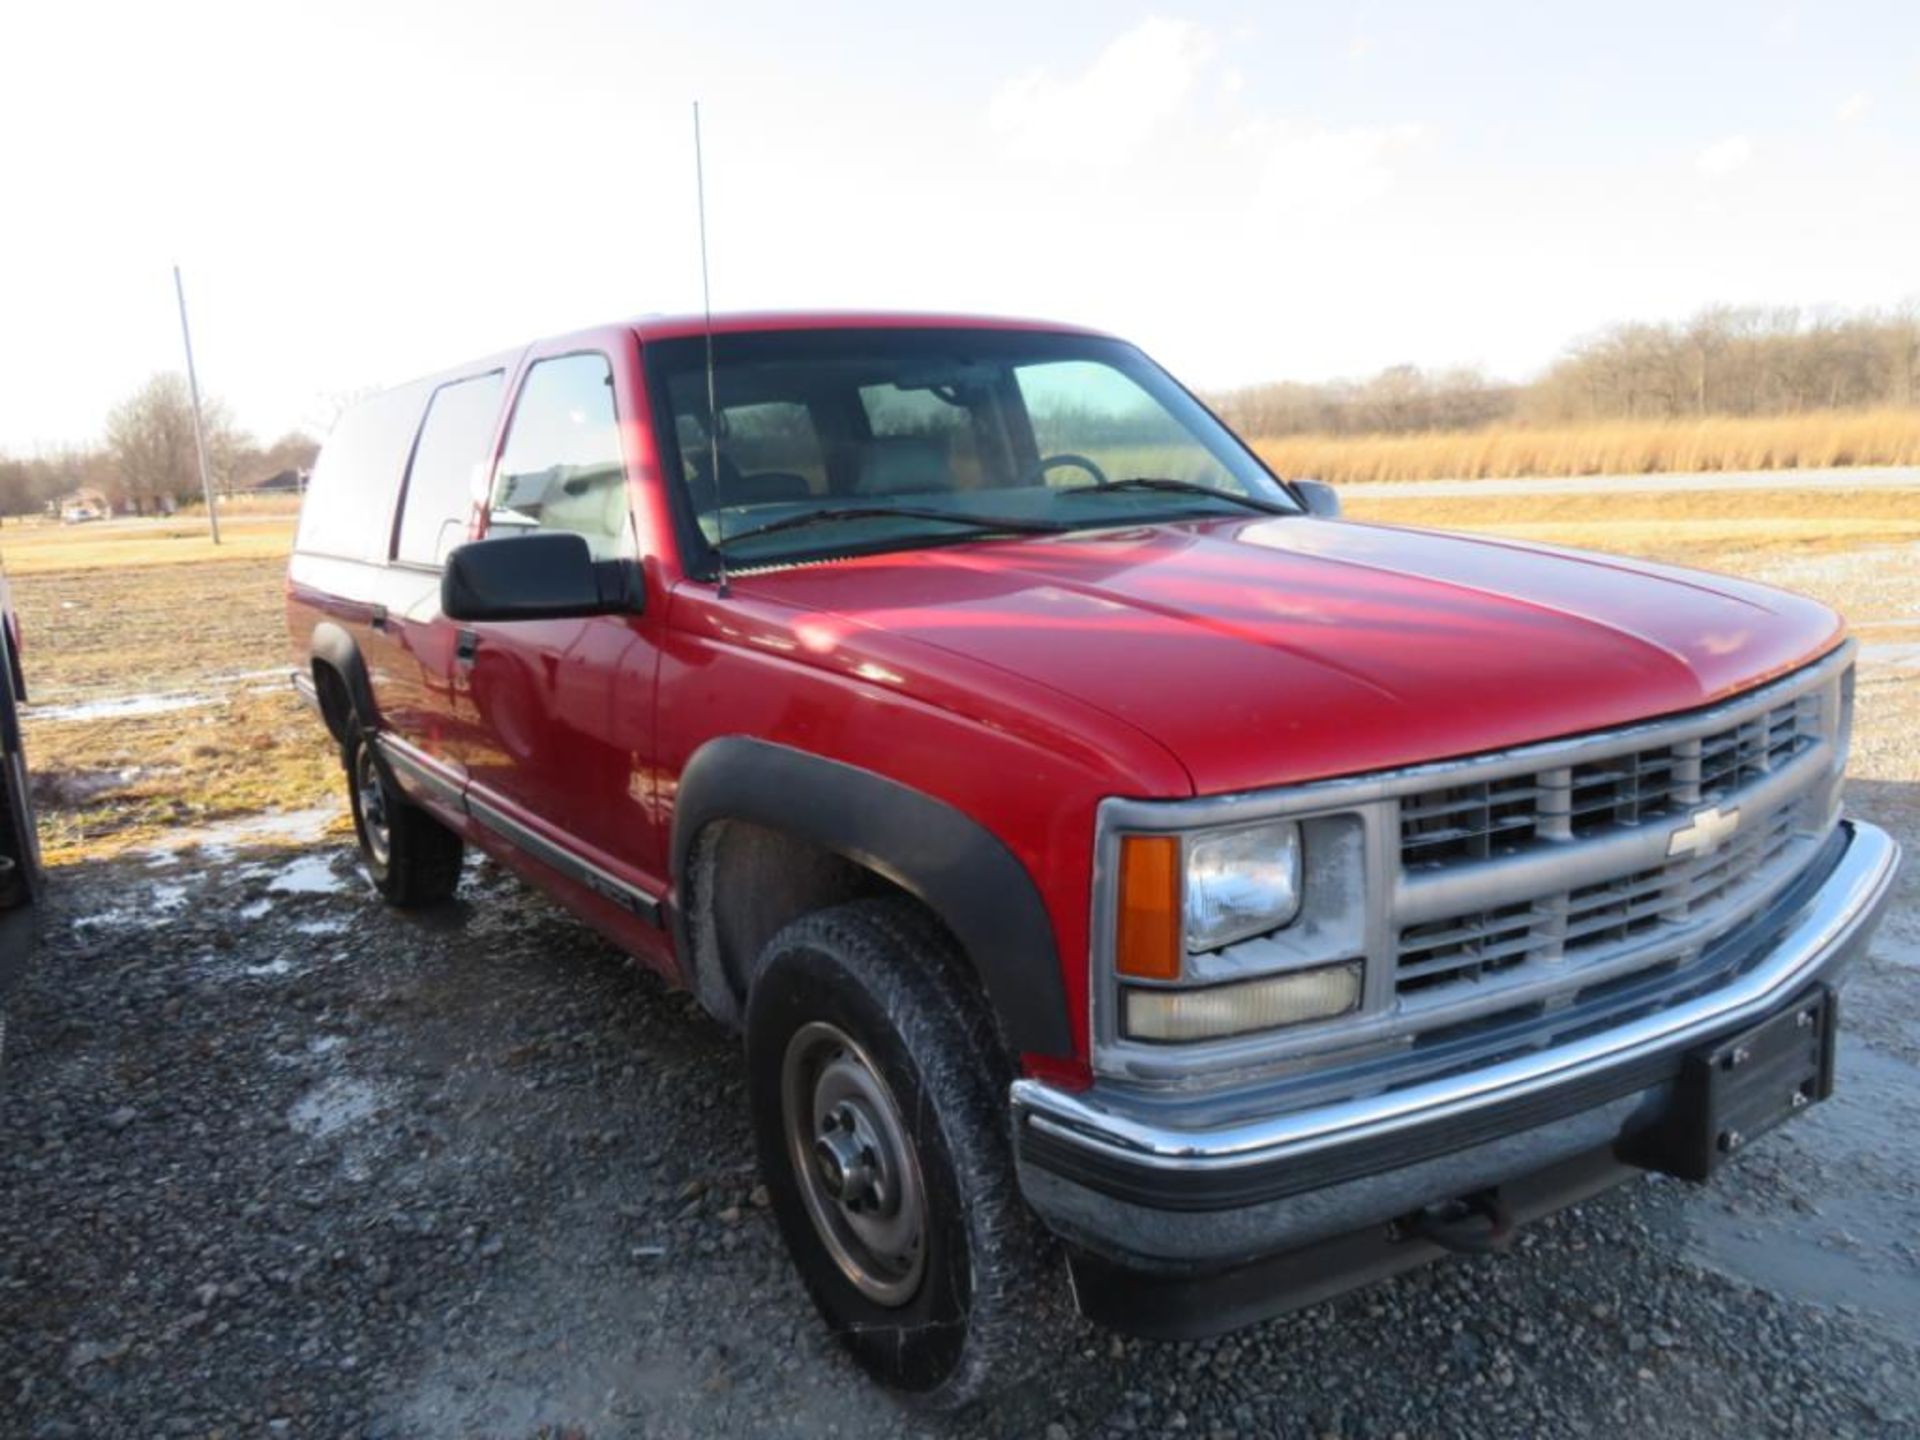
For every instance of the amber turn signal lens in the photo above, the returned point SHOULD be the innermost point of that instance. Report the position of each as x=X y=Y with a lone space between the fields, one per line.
x=1148 y=942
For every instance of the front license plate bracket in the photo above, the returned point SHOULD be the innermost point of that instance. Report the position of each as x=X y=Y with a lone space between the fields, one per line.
x=1732 y=1091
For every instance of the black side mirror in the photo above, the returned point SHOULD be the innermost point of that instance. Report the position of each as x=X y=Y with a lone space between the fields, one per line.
x=549 y=575
x=1319 y=497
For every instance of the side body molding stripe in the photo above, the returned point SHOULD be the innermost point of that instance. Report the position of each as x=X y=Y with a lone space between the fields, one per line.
x=575 y=867
x=960 y=870
x=422 y=771
x=444 y=788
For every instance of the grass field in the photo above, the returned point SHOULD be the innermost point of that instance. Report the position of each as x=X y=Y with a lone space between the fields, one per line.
x=159 y=694
x=1700 y=527
x=42 y=549
x=158 y=666
x=1783 y=442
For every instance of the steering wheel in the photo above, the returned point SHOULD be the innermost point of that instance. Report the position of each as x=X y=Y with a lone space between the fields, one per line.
x=1066 y=459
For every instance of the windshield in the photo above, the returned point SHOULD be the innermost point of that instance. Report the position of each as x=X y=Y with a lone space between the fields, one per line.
x=1000 y=429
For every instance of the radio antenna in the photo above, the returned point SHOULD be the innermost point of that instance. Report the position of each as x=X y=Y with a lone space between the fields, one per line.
x=713 y=409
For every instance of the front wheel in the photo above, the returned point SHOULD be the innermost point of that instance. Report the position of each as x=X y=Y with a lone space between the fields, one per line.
x=879 y=1115
x=411 y=857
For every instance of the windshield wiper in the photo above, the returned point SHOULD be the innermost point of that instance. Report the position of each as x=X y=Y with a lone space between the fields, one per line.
x=1180 y=487
x=808 y=518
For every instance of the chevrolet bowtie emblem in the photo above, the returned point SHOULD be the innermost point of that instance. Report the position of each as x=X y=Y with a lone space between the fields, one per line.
x=1705 y=832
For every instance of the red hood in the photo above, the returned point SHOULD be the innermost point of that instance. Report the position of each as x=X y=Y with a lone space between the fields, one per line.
x=1264 y=652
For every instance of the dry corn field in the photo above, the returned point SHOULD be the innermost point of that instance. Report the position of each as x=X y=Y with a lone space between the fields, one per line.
x=1719 y=443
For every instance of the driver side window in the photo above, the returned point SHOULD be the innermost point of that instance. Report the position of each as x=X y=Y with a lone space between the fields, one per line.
x=561 y=468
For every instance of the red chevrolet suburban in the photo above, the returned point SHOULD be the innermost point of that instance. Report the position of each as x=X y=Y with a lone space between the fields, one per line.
x=1114 y=860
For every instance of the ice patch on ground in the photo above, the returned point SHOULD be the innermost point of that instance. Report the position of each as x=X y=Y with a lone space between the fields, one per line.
x=163 y=901
x=334 y=1105
x=256 y=910
x=221 y=839
x=120 y=707
x=320 y=927
x=308 y=875
x=112 y=919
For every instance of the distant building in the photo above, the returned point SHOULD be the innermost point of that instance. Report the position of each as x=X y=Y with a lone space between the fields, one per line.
x=84 y=504
x=283 y=482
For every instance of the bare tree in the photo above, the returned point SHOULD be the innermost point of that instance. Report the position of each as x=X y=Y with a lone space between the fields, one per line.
x=150 y=438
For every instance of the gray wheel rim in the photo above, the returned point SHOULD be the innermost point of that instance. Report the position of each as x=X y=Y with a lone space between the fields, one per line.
x=858 y=1172
x=375 y=824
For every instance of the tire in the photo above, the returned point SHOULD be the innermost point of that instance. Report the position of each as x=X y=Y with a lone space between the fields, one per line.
x=411 y=857
x=871 y=986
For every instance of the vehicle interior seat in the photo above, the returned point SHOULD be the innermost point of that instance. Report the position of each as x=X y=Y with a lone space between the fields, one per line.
x=767 y=487
x=904 y=465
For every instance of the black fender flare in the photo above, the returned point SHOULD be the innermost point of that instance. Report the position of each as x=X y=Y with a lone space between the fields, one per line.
x=334 y=647
x=956 y=867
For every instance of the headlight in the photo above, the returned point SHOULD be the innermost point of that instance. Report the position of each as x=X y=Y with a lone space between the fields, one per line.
x=1241 y=883
x=1220 y=1011
x=1226 y=932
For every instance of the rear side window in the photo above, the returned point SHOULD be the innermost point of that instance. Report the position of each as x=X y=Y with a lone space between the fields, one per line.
x=449 y=468
x=561 y=468
x=349 y=502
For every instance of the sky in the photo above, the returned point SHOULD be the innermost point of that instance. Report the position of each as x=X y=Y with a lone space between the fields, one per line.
x=360 y=193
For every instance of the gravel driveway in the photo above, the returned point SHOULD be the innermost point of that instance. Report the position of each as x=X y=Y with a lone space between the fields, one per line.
x=276 y=1161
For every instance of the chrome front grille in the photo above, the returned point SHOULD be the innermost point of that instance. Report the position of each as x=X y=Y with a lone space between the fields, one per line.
x=1457 y=823
x=1591 y=919
x=1662 y=898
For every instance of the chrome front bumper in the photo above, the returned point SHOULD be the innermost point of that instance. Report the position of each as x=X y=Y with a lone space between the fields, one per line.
x=1119 y=1175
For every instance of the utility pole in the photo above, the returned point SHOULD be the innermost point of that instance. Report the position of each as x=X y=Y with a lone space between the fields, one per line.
x=193 y=390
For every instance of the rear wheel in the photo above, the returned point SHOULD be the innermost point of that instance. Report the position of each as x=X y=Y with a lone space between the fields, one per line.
x=412 y=858
x=879 y=1114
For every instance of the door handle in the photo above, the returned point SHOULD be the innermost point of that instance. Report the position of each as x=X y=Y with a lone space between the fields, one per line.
x=465 y=643
x=379 y=617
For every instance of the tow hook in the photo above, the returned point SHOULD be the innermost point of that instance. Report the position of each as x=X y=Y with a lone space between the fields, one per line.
x=1476 y=1224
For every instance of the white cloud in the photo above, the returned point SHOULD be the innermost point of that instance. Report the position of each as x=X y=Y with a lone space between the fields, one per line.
x=1166 y=79
x=1305 y=169
x=1854 y=107
x=1102 y=115
x=1723 y=157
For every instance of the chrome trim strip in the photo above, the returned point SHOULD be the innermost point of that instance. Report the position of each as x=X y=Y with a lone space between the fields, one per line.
x=426 y=772
x=431 y=776
x=1847 y=903
x=574 y=866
